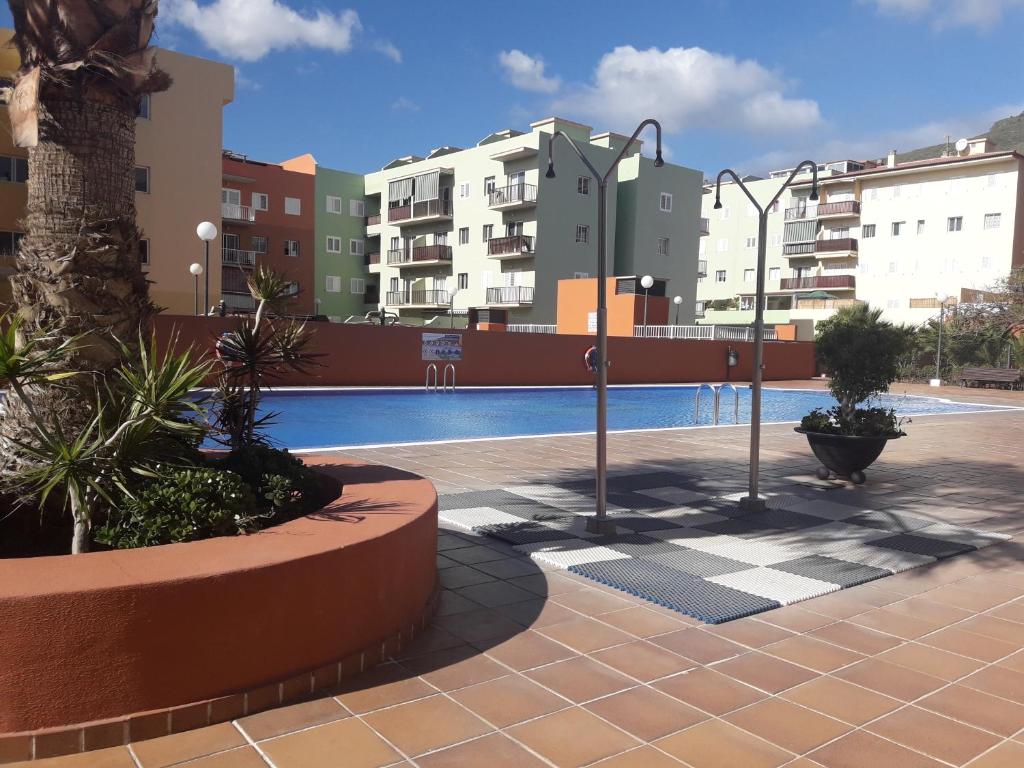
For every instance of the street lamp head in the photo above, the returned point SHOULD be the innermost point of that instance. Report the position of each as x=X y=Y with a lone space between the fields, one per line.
x=718 y=203
x=647 y=281
x=206 y=231
x=658 y=161
x=551 y=169
x=677 y=300
x=814 y=192
x=196 y=269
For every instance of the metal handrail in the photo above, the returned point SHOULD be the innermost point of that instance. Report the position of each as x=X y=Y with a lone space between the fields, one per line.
x=718 y=398
x=426 y=382
x=696 y=405
x=444 y=386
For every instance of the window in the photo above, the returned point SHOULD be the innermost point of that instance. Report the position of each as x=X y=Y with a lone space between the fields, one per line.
x=393 y=285
x=145 y=103
x=357 y=286
x=513 y=228
x=892 y=267
x=261 y=201
x=749 y=275
x=582 y=233
x=144 y=252
x=774 y=273
x=868 y=230
x=663 y=246
x=747 y=302
x=356 y=246
x=993 y=220
x=954 y=223
x=259 y=243
x=464 y=236
x=334 y=204
x=488 y=185
x=583 y=185
x=396 y=243
x=723 y=213
x=986 y=262
x=440 y=238
x=751 y=242
x=356 y=208
x=291 y=248
x=720 y=276
x=13 y=169
x=333 y=244
x=774 y=208
x=920 y=226
x=580 y=275
x=893 y=304
x=897 y=228
x=141 y=179
x=723 y=245
x=333 y=284
x=464 y=189
x=776 y=240
x=463 y=281
x=292 y=206
x=665 y=204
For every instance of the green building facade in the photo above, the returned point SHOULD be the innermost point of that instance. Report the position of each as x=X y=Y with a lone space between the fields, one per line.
x=343 y=286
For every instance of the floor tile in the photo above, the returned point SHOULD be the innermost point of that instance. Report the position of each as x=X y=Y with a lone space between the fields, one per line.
x=646 y=713
x=527 y=650
x=321 y=747
x=425 y=725
x=493 y=751
x=585 y=635
x=998 y=681
x=384 y=686
x=842 y=700
x=1009 y=754
x=642 y=757
x=494 y=593
x=462 y=576
x=890 y=679
x=276 y=722
x=710 y=691
x=592 y=738
x=479 y=625
x=116 y=757
x=934 y=735
x=456 y=668
x=809 y=652
x=698 y=645
x=179 y=747
x=509 y=700
x=932 y=661
x=580 y=679
x=976 y=708
x=855 y=638
x=787 y=725
x=860 y=749
x=246 y=757
x=765 y=672
x=642 y=660
x=592 y=602
x=642 y=622
x=750 y=632
x=969 y=644
x=716 y=744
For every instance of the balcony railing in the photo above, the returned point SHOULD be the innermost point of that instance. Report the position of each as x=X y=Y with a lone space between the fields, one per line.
x=700 y=332
x=422 y=209
x=372 y=258
x=838 y=244
x=799 y=212
x=421 y=253
x=702 y=268
x=513 y=244
x=705 y=226
x=842 y=208
x=797 y=249
x=235 y=281
x=236 y=212
x=510 y=294
x=530 y=328
x=373 y=219
x=514 y=194
x=237 y=258
x=411 y=298
x=821 y=281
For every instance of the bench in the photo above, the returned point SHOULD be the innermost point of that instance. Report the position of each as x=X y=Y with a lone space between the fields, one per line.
x=982 y=376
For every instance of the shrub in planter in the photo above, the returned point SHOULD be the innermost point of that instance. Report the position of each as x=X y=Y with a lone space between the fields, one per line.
x=278 y=478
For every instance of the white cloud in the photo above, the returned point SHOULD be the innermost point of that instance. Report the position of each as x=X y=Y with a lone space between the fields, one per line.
x=526 y=72
x=943 y=14
x=246 y=83
x=250 y=29
x=402 y=104
x=688 y=88
x=386 y=48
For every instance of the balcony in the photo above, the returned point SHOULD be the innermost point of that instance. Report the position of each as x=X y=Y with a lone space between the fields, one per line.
x=837 y=248
x=798 y=249
x=371 y=259
x=421 y=211
x=705 y=226
x=373 y=219
x=823 y=282
x=797 y=213
x=511 y=247
x=421 y=256
x=702 y=268
x=516 y=295
x=839 y=210
x=232 y=257
x=417 y=298
x=512 y=196
x=237 y=214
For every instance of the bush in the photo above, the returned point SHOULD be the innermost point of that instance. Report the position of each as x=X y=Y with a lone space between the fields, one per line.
x=183 y=505
x=277 y=477
x=865 y=422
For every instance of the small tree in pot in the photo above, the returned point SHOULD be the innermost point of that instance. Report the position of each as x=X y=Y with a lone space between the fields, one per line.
x=862 y=354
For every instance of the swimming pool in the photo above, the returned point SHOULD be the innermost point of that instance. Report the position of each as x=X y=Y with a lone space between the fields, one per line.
x=337 y=418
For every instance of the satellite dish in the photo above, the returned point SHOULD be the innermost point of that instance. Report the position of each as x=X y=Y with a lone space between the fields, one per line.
x=961 y=145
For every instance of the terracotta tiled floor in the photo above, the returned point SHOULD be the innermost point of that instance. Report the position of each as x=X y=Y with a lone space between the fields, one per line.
x=531 y=667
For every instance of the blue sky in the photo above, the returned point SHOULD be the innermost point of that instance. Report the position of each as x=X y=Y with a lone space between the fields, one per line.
x=752 y=85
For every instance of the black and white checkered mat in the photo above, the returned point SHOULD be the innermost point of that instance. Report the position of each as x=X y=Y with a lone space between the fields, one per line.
x=702 y=555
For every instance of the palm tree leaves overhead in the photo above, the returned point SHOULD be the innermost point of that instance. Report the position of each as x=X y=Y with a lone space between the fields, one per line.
x=92 y=49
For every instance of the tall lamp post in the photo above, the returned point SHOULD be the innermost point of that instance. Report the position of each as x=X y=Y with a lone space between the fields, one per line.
x=937 y=381
x=646 y=282
x=453 y=289
x=677 y=301
x=599 y=523
x=196 y=269
x=206 y=231
x=753 y=501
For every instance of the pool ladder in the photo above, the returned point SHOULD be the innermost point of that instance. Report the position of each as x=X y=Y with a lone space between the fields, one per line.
x=432 y=369
x=716 y=390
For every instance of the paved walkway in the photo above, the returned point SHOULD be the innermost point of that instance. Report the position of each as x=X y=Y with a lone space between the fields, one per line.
x=532 y=667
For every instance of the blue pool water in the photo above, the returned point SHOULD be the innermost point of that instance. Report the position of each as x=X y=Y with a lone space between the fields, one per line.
x=334 y=418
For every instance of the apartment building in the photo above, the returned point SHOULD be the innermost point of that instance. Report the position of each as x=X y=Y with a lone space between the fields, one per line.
x=485 y=227
x=177 y=152
x=268 y=219
x=895 y=235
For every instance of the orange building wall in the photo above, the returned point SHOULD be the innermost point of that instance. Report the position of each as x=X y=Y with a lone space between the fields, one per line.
x=578 y=298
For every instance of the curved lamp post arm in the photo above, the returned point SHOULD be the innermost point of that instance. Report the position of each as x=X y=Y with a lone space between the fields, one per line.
x=658 y=162
x=740 y=184
x=598 y=177
x=814 y=181
x=575 y=148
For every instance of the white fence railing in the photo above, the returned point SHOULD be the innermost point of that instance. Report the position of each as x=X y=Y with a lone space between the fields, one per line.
x=236 y=212
x=706 y=332
x=521 y=328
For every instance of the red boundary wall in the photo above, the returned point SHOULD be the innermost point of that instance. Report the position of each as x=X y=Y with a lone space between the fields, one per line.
x=365 y=355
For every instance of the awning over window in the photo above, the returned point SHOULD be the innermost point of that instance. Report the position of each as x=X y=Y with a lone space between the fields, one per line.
x=428 y=185
x=400 y=189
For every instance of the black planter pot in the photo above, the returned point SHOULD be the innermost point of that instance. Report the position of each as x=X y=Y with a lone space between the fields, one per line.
x=845 y=455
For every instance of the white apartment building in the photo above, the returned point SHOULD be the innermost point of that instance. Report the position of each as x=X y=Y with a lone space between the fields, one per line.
x=487 y=223
x=897 y=236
